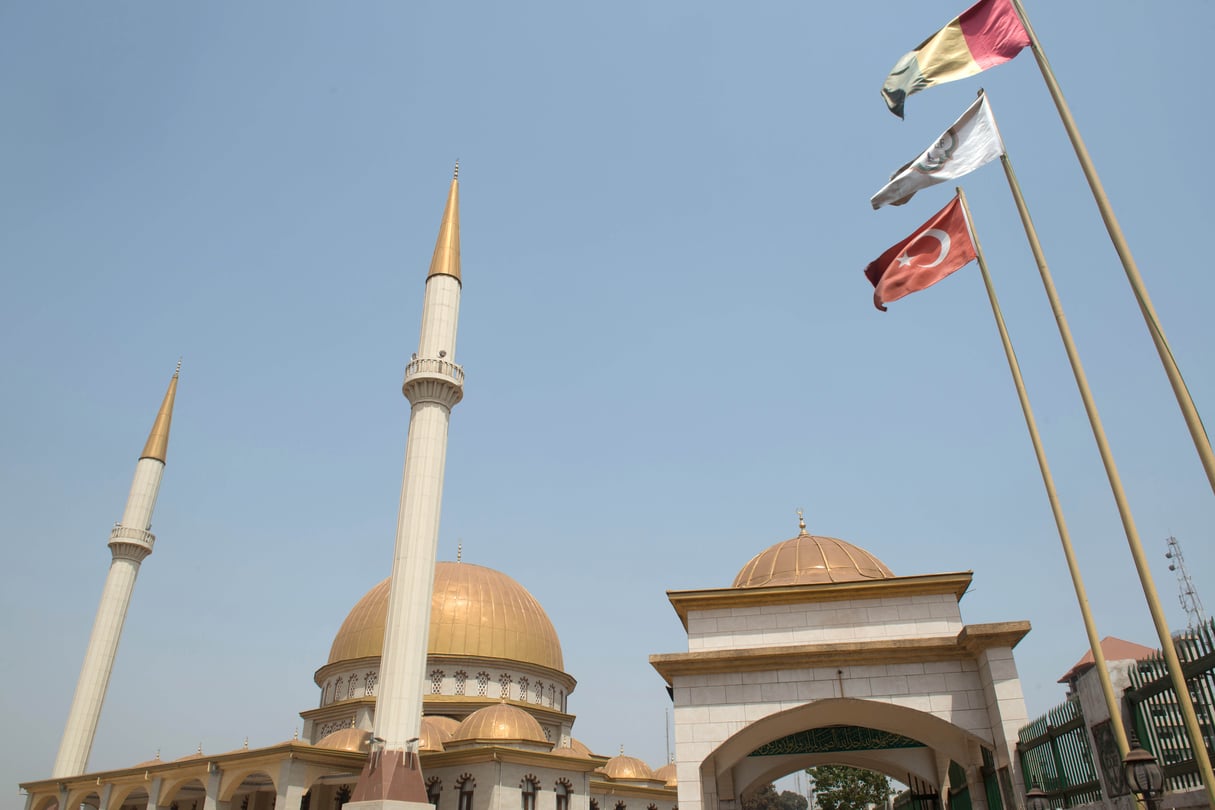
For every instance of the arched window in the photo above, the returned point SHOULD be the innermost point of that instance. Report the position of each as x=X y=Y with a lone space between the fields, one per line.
x=527 y=792
x=562 y=790
x=337 y=689
x=482 y=683
x=621 y=806
x=504 y=684
x=434 y=786
x=594 y=804
x=552 y=695
x=354 y=685
x=369 y=689
x=466 y=785
x=461 y=677
x=651 y=807
x=539 y=691
x=523 y=689
x=436 y=681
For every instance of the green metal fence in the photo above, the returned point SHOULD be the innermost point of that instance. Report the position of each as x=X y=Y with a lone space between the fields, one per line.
x=1055 y=756
x=1153 y=703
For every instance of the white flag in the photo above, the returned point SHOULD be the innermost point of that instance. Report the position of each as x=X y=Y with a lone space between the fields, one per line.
x=972 y=141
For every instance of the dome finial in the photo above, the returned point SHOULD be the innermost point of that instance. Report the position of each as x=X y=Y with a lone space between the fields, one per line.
x=296 y=735
x=246 y=743
x=459 y=550
x=801 y=524
x=455 y=174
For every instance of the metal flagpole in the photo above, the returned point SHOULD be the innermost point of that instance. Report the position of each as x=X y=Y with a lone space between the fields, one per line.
x=1124 y=510
x=1090 y=628
x=1202 y=442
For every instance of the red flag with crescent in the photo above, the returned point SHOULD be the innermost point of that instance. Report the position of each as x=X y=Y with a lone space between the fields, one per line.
x=937 y=248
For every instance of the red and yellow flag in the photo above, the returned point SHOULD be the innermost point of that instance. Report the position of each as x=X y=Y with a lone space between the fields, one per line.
x=937 y=248
x=987 y=34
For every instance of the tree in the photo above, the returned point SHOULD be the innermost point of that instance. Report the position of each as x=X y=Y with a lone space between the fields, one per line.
x=838 y=787
x=766 y=798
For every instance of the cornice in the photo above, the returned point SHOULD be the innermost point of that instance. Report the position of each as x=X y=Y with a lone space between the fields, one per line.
x=494 y=753
x=199 y=766
x=969 y=642
x=721 y=598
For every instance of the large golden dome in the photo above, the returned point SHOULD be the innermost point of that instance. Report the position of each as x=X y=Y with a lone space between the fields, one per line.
x=474 y=611
x=810 y=560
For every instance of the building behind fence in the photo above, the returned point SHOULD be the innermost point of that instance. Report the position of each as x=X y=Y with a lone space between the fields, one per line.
x=1070 y=752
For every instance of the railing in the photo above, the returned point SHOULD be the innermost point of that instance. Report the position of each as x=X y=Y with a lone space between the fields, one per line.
x=139 y=536
x=1055 y=756
x=1153 y=704
x=433 y=365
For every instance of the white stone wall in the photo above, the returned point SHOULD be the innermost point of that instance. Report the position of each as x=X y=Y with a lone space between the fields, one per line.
x=920 y=616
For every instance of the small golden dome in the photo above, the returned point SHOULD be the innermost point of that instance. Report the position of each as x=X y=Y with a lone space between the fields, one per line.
x=474 y=611
x=575 y=749
x=347 y=739
x=810 y=560
x=435 y=731
x=500 y=721
x=626 y=767
x=667 y=774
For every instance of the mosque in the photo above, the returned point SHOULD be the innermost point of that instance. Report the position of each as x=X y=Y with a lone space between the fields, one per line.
x=817 y=653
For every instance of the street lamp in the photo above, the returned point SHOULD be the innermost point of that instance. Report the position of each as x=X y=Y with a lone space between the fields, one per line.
x=1037 y=799
x=1144 y=775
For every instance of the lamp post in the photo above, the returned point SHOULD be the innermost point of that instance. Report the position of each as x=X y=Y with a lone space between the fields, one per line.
x=1037 y=799
x=1144 y=775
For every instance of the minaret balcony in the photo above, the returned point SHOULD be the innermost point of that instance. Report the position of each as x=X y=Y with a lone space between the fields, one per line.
x=132 y=543
x=433 y=379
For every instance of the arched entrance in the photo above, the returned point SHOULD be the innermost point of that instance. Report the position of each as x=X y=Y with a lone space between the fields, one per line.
x=841 y=665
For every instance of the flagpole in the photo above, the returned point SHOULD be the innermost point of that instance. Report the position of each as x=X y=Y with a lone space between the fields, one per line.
x=1202 y=442
x=1048 y=480
x=1124 y=510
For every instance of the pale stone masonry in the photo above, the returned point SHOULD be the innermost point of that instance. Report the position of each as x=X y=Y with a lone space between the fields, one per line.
x=831 y=644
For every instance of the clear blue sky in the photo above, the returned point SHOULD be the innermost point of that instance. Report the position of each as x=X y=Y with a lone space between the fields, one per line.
x=668 y=340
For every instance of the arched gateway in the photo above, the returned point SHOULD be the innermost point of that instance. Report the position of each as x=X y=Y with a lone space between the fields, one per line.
x=819 y=654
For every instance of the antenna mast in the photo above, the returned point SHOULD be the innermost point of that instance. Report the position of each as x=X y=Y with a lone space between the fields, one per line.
x=1188 y=594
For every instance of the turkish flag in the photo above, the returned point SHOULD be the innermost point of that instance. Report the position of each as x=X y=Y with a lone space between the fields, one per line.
x=937 y=248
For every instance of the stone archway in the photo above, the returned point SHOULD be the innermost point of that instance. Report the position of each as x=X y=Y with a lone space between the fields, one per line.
x=897 y=741
x=887 y=656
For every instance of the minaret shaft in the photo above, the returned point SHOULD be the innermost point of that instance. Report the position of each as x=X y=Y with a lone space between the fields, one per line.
x=398 y=711
x=130 y=543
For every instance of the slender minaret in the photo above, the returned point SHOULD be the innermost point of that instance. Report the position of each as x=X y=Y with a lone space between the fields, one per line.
x=433 y=385
x=130 y=542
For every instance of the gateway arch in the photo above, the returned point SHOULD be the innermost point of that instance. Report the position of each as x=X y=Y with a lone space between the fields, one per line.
x=819 y=654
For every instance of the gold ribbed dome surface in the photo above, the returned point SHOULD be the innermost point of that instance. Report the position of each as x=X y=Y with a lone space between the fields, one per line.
x=435 y=731
x=810 y=560
x=347 y=739
x=626 y=767
x=500 y=722
x=474 y=611
x=667 y=774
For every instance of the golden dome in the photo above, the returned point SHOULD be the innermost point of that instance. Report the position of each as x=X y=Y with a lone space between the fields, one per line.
x=347 y=739
x=435 y=731
x=810 y=560
x=575 y=749
x=500 y=721
x=667 y=774
x=474 y=611
x=625 y=767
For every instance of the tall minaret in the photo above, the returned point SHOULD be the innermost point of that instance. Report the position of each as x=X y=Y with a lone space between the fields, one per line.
x=130 y=542
x=433 y=385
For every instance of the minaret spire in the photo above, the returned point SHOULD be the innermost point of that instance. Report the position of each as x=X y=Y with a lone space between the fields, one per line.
x=158 y=439
x=130 y=543
x=446 y=260
x=433 y=385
